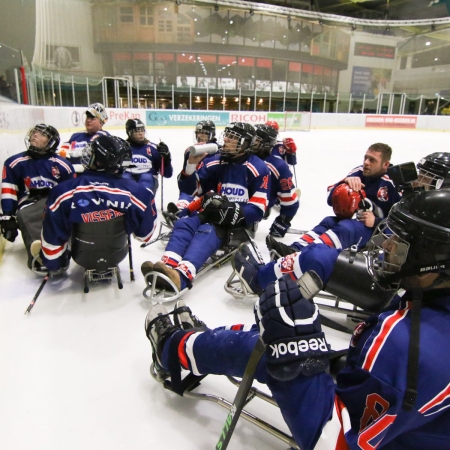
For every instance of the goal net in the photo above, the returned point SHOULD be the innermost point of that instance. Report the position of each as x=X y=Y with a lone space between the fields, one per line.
x=296 y=121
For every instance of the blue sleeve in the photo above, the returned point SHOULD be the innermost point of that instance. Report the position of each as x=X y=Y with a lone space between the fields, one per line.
x=258 y=191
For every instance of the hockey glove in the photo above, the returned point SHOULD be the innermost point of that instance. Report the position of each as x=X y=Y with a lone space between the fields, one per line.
x=289 y=325
x=280 y=226
x=163 y=151
x=220 y=211
x=289 y=145
x=9 y=227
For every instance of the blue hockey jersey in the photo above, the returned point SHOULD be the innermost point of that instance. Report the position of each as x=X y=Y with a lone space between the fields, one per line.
x=244 y=180
x=282 y=187
x=94 y=197
x=78 y=141
x=146 y=159
x=23 y=176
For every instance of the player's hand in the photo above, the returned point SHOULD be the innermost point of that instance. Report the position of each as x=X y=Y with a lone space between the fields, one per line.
x=289 y=145
x=290 y=327
x=354 y=183
x=367 y=218
x=220 y=211
x=163 y=151
x=9 y=227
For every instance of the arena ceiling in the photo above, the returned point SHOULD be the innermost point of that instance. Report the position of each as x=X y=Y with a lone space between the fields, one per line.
x=372 y=9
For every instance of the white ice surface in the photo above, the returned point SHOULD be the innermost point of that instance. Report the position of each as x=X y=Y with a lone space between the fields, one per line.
x=75 y=373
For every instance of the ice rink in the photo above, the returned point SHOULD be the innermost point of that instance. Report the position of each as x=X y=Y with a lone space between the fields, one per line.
x=75 y=372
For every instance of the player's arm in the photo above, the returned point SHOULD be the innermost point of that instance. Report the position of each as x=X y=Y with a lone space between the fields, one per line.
x=145 y=218
x=258 y=191
x=289 y=202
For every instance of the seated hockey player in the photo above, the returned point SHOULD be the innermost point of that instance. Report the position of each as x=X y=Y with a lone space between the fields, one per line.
x=99 y=194
x=205 y=133
x=392 y=392
x=285 y=148
x=282 y=188
x=148 y=160
x=96 y=117
x=27 y=180
x=380 y=193
x=234 y=186
x=433 y=172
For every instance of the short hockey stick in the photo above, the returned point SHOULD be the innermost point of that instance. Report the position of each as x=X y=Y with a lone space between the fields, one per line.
x=241 y=397
x=30 y=307
x=130 y=259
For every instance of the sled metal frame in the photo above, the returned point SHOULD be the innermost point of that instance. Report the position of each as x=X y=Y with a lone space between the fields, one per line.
x=92 y=275
x=151 y=292
x=190 y=382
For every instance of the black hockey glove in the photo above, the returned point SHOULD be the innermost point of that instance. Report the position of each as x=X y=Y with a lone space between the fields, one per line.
x=9 y=227
x=280 y=226
x=164 y=151
x=220 y=211
x=290 y=327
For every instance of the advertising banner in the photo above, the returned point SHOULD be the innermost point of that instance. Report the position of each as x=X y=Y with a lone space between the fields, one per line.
x=158 y=118
x=383 y=121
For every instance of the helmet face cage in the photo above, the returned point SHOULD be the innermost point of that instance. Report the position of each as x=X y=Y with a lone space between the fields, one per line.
x=98 y=111
x=236 y=139
x=387 y=252
x=134 y=126
x=264 y=140
x=427 y=179
x=51 y=145
x=205 y=131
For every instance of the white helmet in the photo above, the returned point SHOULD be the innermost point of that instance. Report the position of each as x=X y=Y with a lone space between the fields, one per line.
x=97 y=110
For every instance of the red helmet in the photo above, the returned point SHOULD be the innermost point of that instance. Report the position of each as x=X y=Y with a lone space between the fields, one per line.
x=345 y=201
x=273 y=124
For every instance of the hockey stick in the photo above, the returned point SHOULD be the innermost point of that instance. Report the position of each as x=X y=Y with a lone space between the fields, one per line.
x=241 y=396
x=255 y=247
x=30 y=307
x=130 y=259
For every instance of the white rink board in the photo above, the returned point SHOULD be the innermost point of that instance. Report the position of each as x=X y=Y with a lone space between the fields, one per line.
x=75 y=372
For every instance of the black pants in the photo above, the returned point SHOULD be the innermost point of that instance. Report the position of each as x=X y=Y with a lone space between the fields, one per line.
x=30 y=219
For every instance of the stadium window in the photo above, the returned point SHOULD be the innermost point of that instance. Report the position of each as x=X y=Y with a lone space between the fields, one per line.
x=126 y=14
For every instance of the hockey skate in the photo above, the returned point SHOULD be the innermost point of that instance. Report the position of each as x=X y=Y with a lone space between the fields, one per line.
x=242 y=282
x=163 y=283
x=158 y=327
x=277 y=249
x=183 y=317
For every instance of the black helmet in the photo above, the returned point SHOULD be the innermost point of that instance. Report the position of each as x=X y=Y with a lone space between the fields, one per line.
x=205 y=127
x=49 y=148
x=237 y=138
x=414 y=239
x=132 y=126
x=434 y=171
x=106 y=154
x=265 y=139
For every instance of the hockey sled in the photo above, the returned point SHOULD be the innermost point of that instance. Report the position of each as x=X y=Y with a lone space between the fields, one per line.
x=221 y=257
x=190 y=382
x=99 y=248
